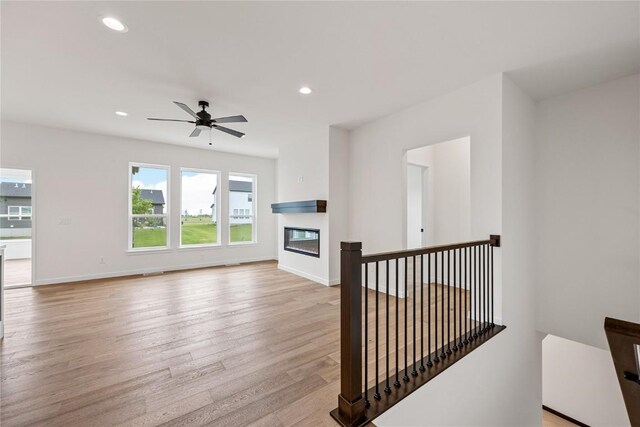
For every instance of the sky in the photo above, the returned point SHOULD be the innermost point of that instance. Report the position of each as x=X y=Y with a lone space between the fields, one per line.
x=197 y=192
x=197 y=188
x=15 y=175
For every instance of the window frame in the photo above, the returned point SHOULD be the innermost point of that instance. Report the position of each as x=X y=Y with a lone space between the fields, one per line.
x=20 y=216
x=218 y=206
x=166 y=215
x=254 y=209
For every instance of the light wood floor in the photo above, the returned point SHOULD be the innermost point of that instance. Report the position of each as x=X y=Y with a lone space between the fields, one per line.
x=552 y=420
x=17 y=272
x=228 y=346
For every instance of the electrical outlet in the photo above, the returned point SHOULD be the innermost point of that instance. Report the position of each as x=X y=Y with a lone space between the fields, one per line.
x=300 y=179
x=102 y=260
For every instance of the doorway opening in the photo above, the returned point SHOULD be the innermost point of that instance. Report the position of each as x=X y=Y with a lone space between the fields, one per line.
x=438 y=194
x=16 y=225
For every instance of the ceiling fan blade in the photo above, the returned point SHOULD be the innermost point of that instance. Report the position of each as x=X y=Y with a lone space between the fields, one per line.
x=196 y=132
x=229 y=131
x=171 y=120
x=231 y=119
x=187 y=109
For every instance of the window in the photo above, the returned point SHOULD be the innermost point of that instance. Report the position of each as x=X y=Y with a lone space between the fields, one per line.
x=14 y=213
x=17 y=213
x=148 y=206
x=199 y=208
x=242 y=208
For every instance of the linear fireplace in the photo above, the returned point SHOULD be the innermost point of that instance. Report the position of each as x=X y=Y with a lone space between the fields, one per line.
x=305 y=241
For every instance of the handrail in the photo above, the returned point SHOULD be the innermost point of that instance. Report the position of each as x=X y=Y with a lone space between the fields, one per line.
x=494 y=240
x=454 y=306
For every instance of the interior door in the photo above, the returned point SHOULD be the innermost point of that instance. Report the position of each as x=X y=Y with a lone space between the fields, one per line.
x=415 y=226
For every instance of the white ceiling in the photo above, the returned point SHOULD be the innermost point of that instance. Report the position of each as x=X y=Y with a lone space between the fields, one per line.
x=61 y=67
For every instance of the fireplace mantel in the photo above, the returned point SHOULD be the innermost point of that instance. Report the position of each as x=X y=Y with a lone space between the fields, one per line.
x=307 y=206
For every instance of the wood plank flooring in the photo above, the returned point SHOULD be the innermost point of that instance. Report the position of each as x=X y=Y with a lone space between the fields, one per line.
x=17 y=272
x=228 y=346
x=552 y=420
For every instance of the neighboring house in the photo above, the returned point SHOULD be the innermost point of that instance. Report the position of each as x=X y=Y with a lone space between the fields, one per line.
x=15 y=209
x=240 y=202
x=157 y=199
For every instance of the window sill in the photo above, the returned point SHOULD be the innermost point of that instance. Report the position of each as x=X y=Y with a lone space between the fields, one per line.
x=242 y=244
x=211 y=246
x=148 y=251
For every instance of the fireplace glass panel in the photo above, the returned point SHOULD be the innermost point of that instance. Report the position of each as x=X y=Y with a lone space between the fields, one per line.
x=302 y=240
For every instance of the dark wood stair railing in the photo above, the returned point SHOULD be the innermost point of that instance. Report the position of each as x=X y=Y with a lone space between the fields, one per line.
x=624 y=343
x=460 y=320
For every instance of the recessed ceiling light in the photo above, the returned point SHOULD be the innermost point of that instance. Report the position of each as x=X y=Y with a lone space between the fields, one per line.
x=114 y=24
x=122 y=113
x=305 y=90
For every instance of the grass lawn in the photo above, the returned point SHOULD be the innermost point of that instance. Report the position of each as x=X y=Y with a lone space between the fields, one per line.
x=241 y=233
x=193 y=233
x=149 y=237
x=198 y=234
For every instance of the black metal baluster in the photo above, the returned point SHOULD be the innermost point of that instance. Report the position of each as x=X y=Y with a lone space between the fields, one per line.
x=366 y=334
x=482 y=293
x=387 y=389
x=414 y=372
x=406 y=330
x=448 y=302
x=479 y=273
x=467 y=295
x=377 y=393
x=461 y=295
x=493 y=309
x=443 y=353
x=435 y=305
x=429 y=362
x=397 y=382
x=480 y=283
x=455 y=299
x=486 y=292
x=422 y=313
x=484 y=278
x=474 y=271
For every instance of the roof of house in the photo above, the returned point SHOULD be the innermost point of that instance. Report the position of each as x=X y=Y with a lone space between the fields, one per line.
x=239 y=186
x=15 y=189
x=156 y=196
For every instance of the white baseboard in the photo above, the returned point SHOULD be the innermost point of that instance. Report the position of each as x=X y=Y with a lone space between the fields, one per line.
x=305 y=275
x=113 y=274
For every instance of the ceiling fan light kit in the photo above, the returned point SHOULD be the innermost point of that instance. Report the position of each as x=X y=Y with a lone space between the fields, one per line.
x=203 y=120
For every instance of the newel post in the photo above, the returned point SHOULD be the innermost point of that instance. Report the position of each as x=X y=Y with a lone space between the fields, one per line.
x=350 y=402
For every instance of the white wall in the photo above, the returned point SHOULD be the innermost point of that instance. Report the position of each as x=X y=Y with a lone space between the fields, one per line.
x=303 y=174
x=579 y=381
x=338 y=208
x=506 y=370
x=587 y=203
x=80 y=209
x=449 y=189
x=518 y=250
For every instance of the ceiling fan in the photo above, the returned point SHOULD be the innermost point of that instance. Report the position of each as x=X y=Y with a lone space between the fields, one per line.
x=204 y=121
